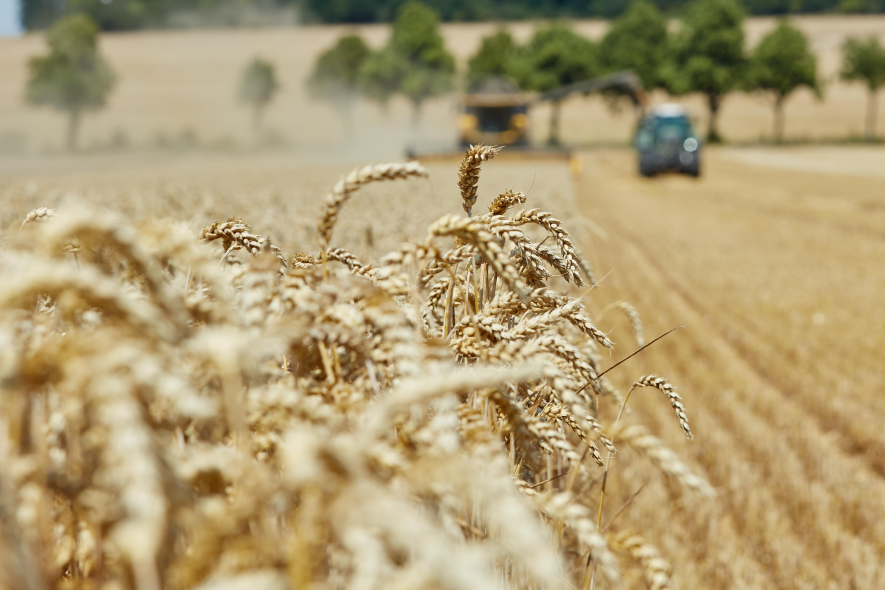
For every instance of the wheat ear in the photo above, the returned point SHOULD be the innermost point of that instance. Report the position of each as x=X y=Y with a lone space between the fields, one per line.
x=503 y=202
x=468 y=173
x=670 y=392
x=657 y=569
x=352 y=182
x=39 y=214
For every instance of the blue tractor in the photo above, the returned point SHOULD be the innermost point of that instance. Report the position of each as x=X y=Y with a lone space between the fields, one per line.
x=666 y=142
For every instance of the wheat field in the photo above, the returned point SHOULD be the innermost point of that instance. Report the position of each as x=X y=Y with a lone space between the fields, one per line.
x=355 y=384
x=190 y=407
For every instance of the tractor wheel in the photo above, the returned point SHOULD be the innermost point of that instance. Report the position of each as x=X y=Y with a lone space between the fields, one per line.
x=694 y=169
x=646 y=168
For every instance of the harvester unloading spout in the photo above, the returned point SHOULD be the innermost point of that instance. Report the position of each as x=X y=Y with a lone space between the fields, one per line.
x=626 y=82
x=495 y=112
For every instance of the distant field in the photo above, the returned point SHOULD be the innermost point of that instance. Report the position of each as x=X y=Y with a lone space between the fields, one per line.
x=175 y=82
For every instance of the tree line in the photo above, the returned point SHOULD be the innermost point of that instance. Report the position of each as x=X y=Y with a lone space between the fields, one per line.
x=359 y=11
x=135 y=14
x=705 y=56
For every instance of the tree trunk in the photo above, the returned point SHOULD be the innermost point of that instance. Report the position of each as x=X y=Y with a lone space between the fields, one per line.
x=872 y=105
x=553 y=139
x=713 y=128
x=779 y=119
x=257 y=116
x=416 y=116
x=73 y=129
x=349 y=105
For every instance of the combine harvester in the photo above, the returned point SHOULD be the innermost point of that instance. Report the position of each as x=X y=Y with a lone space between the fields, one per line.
x=496 y=112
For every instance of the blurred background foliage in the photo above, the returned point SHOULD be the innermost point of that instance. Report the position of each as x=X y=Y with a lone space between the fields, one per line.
x=134 y=14
x=72 y=77
x=705 y=55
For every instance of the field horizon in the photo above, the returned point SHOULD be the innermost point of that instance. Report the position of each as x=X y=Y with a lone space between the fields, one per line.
x=178 y=87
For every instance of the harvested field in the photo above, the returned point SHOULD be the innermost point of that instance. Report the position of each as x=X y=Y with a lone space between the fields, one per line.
x=776 y=272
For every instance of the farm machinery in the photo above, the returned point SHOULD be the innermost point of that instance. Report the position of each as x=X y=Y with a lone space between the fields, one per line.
x=495 y=112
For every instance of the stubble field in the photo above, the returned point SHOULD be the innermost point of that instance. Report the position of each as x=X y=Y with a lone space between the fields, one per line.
x=773 y=268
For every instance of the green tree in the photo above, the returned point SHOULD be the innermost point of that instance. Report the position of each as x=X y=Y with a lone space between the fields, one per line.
x=781 y=63
x=335 y=76
x=381 y=75
x=637 y=41
x=493 y=57
x=73 y=77
x=112 y=16
x=864 y=61
x=708 y=55
x=258 y=86
x=426 y=69
x=859 y=6
x=554 y=57
x=414 y=63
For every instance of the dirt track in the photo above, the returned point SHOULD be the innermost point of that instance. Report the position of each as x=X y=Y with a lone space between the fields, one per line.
x=777 y=275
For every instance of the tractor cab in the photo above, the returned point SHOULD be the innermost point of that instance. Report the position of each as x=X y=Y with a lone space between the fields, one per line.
x=666 y=141
x=494 y=112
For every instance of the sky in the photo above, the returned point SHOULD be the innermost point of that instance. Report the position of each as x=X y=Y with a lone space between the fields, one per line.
x=10 y=24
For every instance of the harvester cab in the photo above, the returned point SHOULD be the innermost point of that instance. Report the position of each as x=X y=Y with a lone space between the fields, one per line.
x=494 y=112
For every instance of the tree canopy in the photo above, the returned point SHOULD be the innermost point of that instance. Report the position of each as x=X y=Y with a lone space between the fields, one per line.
x=708 y=55
x=863 y=60
x=637 y=41
x=258 y=86
x=135 y=14
x=336 y=73
x=381 y=75
x=336 y=76
x=414 y=63
x=72 y=77
x=781 y=63
x=493 y=57
x=554 y=57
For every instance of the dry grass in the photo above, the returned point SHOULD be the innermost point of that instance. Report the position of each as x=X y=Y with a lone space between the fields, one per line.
x=179 y=413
